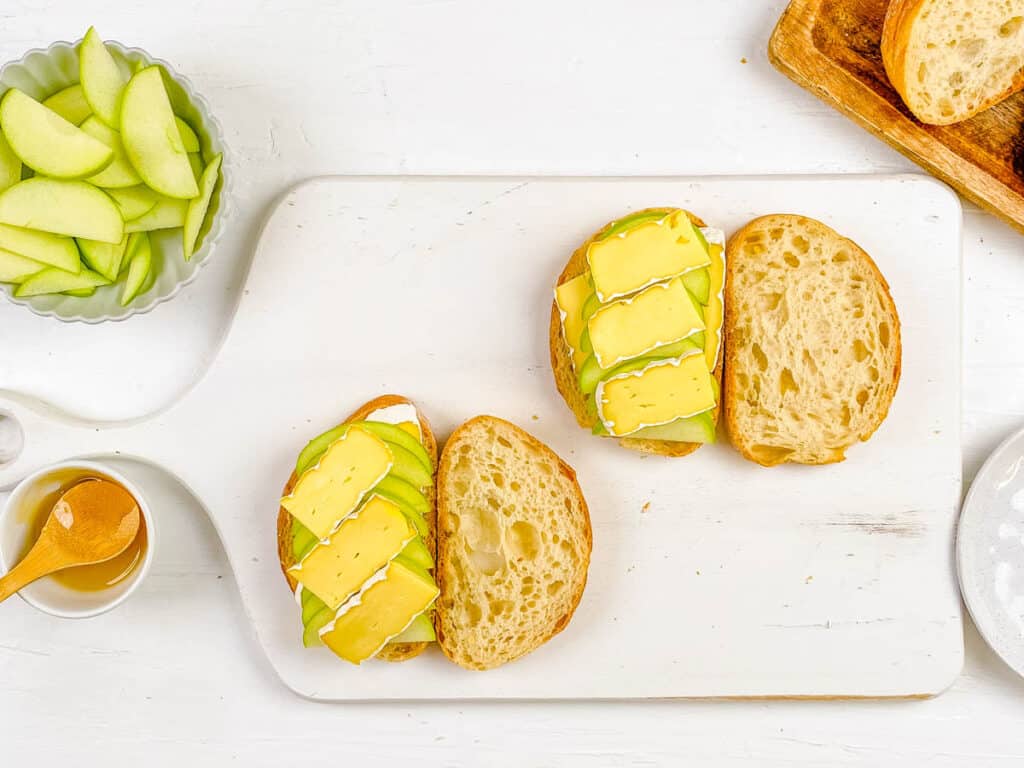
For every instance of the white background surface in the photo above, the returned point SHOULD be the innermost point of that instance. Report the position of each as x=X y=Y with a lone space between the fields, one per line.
x=314 y=87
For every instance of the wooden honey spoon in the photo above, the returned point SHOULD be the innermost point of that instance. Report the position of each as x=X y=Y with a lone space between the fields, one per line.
x=93 y=521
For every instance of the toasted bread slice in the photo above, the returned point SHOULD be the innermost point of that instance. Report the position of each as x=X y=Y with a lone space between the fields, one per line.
x=392 y=651
x=812 y=342
x=565 y=376
x=514 y=543
x=950 y=59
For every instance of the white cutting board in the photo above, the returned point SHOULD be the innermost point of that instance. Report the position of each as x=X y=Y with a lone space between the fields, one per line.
x=710 y=576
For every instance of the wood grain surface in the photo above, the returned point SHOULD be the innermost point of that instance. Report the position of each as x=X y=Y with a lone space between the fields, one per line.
x=831 y=48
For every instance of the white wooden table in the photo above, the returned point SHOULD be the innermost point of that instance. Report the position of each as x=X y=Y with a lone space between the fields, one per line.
x=306 y=87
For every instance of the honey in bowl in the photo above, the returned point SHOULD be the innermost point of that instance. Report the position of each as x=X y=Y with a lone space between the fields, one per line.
x=83 y=578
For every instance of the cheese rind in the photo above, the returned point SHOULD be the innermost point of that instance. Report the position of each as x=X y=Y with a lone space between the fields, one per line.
x=570 y=297
x=365 y=542
x=333 y=488
x=381 y=611
x=662 y=392
x=649 y=253
x=657 y=316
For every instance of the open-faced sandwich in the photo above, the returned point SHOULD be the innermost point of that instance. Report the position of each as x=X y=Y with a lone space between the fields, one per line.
x=385 y=552
x=636 y=331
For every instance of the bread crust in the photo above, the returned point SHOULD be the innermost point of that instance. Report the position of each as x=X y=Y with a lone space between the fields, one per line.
x=397 y=651
x=900 y=17
x=730 y=397
x=561 y=356
x=443 y=511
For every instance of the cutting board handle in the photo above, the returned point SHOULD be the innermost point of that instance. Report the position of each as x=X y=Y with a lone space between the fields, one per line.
x=34 y=434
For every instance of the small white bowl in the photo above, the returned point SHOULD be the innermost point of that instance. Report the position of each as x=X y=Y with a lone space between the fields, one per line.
x=40 y=73
x=46 y=594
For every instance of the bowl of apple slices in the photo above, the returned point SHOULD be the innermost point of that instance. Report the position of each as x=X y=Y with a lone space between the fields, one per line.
x=112 y=181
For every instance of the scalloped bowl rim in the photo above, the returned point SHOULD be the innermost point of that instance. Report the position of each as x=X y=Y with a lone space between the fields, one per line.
x=206 y=250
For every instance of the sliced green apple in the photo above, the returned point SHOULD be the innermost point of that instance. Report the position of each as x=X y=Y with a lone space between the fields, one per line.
x=104 y=258
x=135 y=201
x=81 y=293
x=53 y=280
x=421 y=630
x=70 y=104
x=196 y=161
x=52 y=250
x=119 y=173
x=15 y=268
x=151 y=136
x=72 y=208
x=102 y=79
x=10 y=165
x=138 y=269
x=695 y=429
x=48 y=143
x=167 y=213
x=197 y=207
x=189 y=139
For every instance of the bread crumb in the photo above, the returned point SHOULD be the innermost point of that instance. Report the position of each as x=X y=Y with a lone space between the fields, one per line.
x=535 y=417
x=743 y=60
x=646 y=506
x=808 y=580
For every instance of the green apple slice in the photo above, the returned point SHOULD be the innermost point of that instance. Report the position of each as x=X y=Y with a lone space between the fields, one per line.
x=48 y=143
x=197 y=207
x=196 y=161
x=10 y=165
x=151 y=136
x=81 y=293
x=168 y=212
x=135 y=201
x=70 y=104
x=15 y=268
x=188 y=137
x=102 y=80
x=104 y=258
x=72 y=208
x=53 y=280
x=138 y=269
x=119 y=173
x=51 y=250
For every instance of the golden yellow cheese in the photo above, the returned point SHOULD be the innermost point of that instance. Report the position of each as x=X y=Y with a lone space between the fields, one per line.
x=570 y=297
x=382 y=610
x=713 y=312
x=659 y=315
x=662 y=392
x=329 y=491
x=649 y=253
x=364 y=543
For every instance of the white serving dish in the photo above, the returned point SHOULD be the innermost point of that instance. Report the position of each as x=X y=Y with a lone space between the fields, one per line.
x=42 y=72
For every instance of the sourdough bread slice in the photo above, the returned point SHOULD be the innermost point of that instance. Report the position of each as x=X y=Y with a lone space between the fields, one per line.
x=950 y=59
x=812 y=342
x=565 y=376
x=392 y=651
x=513 y=546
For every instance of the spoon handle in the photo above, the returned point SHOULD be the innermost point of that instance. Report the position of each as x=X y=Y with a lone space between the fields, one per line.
x=37 y=563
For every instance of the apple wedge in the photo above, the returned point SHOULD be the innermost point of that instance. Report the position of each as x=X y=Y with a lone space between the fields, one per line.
x=188 y=137
x=135 y=201
x=72 y=208
x=151 y=136
x=10 y=165
x=138 y=268
x=53 y=280
x=15 y=268
x=101 y=77
x=169 y=212
x=48 y=143
x=197 y=207
x=120 y=172
x=81 y=292
x=51 y=250
x=104 y=258
x=70 y=104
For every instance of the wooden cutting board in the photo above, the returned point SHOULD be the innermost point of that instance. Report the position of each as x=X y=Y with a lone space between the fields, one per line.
x=711 y=576
x=831 y=48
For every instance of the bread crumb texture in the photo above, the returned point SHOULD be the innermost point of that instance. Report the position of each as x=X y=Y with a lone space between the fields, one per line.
x=514 y=542
x=957 y=57
x=812 y=342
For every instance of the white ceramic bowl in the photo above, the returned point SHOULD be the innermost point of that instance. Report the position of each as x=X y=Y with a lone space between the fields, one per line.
x=40 y=73
x=46 y=594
